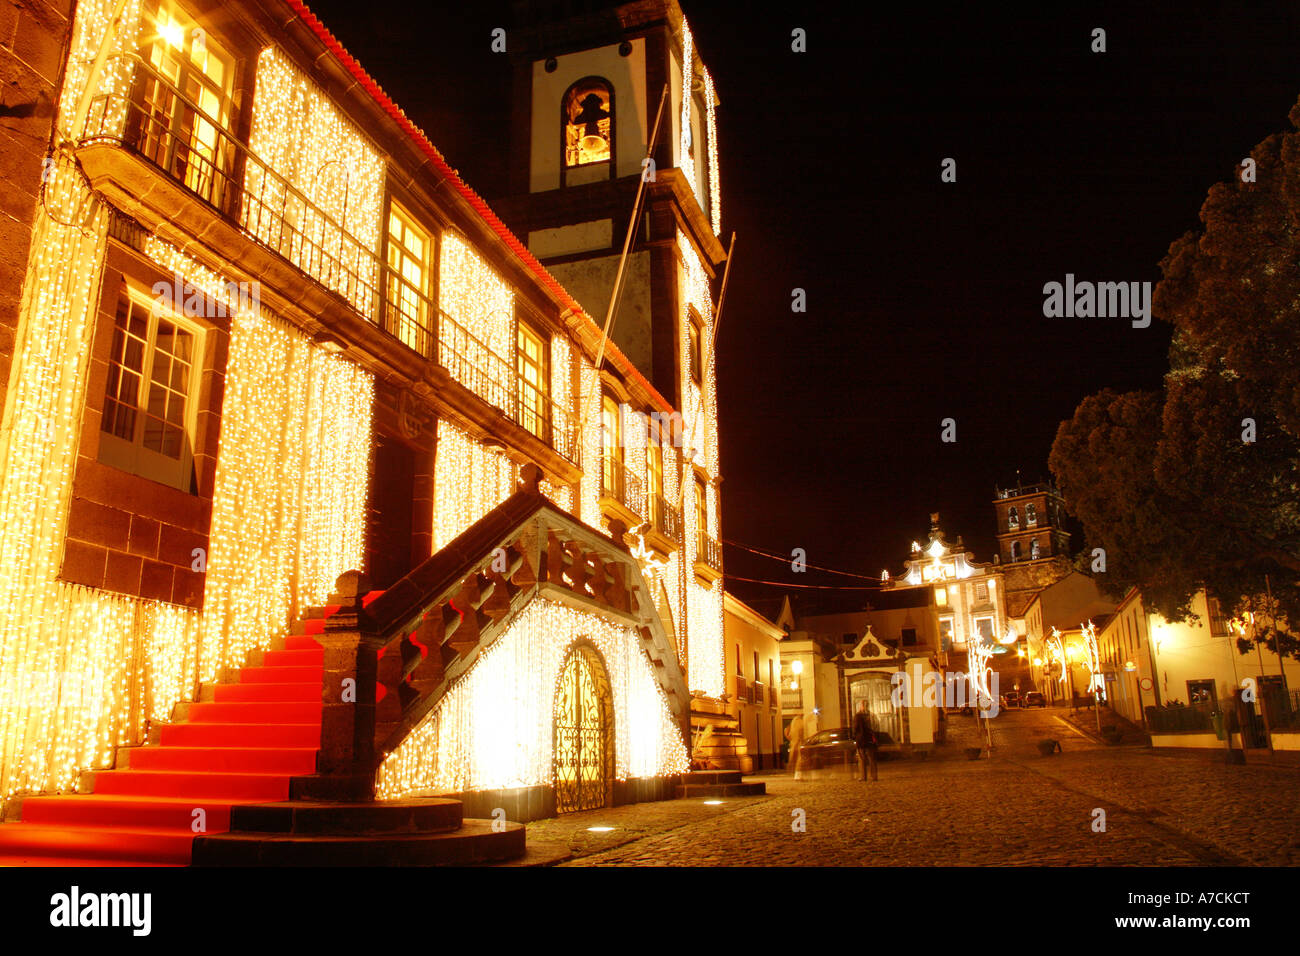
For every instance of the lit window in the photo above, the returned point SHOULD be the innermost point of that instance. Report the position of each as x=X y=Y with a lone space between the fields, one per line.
x=941 y=597
x=701 y=511
x=1218 y=621
x=588 y=114
x=533 y=376
x=410 y=265
x=611 y=458
x=1031 y=516
x=696 y=345
x=149 y=418
x=655 y=469
x=984 y=628
x=981 y=591
x=182 y=110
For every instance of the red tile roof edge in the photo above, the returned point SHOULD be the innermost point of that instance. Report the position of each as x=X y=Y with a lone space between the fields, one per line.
x=474 y=199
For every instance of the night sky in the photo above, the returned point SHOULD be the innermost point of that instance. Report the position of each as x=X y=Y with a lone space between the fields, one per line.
x=924 y=298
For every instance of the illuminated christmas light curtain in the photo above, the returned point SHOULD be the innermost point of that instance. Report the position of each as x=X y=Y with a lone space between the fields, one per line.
x=80 y=670
x=703 y=434
x=469 y=480
x=493 y=728
x=289 y=499
x=715 y=189
x=107 y=116
x=706 y=665
x=303 y=137
x=687 y=163
x=592 y=445
x=480 y=353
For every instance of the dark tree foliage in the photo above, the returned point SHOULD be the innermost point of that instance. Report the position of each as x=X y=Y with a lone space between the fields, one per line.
x=1164 y=481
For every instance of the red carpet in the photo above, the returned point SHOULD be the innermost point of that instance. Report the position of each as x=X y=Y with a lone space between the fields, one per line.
x=241 y=747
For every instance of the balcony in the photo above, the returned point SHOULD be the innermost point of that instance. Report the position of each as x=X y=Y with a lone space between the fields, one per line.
x=621 y=494
x=743 y=693
x=473 y=364
x=246 y=210
x=665 y=532
x=708 y=558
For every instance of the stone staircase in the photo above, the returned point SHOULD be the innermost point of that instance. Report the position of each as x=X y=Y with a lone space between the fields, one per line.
x=715 y=734
x=718 y=783
x=229 y=782
x=721 y=754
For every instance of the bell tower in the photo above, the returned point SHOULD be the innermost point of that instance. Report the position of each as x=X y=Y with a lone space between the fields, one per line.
x=588 y=83
x=1029 y=522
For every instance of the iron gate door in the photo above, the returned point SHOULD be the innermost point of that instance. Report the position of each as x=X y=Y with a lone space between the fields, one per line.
x=582 y=747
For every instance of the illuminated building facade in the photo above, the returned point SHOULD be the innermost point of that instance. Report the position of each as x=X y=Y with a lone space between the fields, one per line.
x=865 y=643
x=267 y=337
x=754 y=682
x=1033 y=545
x=969 y=596
x=588 y=91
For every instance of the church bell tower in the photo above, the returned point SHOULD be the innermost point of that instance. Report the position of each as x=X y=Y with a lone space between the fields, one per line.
x=588 y=84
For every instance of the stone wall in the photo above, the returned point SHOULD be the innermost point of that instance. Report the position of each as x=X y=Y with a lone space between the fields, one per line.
x=33 y=48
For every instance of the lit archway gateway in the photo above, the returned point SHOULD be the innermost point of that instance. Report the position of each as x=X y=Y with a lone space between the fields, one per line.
x=584 y=732
x=536 y=677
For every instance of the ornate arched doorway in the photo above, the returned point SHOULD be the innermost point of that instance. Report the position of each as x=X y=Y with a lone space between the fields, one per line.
x=584 y=732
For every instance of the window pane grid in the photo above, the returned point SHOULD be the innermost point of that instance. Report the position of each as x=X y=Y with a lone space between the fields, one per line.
x=533 y=379
x=125 y=369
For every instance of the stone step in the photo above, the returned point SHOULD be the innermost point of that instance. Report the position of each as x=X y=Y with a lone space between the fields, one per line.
x=714 y=720
x=711 y=776
x=412 y=815
x=476 y=841
x=721 y=790
x=716 y=748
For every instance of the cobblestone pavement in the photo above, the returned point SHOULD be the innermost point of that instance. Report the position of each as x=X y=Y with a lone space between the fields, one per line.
x=1013 y=808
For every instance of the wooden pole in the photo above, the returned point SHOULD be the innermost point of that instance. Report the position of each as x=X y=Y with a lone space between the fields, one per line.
x=627 y=240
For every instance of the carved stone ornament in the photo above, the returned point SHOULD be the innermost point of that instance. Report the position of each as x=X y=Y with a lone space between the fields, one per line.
x=413 y=416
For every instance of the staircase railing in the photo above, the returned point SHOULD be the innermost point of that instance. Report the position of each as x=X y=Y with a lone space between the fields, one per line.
x=408 y=646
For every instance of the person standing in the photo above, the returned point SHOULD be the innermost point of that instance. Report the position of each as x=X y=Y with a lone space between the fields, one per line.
x=865 y=739
x=794 y=733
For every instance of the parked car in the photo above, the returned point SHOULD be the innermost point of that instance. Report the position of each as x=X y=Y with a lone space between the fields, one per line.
x=835 y=748
x=1010 y=700
x=1035 y=699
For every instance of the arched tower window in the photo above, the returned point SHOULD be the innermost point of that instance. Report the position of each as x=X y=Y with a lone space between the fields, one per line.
x=1031 y=515
x=1013 y=518
x=587 y=118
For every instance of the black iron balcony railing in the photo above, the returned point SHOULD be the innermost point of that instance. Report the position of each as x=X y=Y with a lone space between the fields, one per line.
x=158 y=123
x=618 y=483
x=475 y=365
x=709 y=551
x=665 y=518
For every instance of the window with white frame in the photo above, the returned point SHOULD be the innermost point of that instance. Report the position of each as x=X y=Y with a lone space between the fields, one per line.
x=149 y=421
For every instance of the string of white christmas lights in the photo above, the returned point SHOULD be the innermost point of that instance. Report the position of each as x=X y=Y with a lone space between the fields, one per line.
x=493 y=728
x=298 y=132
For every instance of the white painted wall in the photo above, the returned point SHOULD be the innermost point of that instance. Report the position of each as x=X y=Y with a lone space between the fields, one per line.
x=625 y=73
